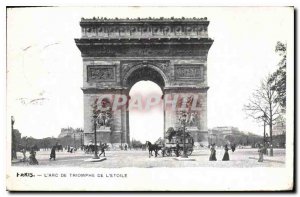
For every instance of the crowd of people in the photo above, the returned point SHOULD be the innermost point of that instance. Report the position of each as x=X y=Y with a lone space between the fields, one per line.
x=262 y=149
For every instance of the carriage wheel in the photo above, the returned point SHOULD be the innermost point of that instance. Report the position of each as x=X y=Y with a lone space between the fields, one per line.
x=180 y=152
x=189 y=152
x=168 y=152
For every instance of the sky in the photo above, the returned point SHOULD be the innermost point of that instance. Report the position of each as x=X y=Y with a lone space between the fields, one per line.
x=44 y=66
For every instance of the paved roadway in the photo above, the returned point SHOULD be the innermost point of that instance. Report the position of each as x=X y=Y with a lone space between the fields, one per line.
x=241 y=158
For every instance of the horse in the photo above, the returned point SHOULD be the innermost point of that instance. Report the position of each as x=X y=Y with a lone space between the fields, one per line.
x=89 y=148
x=152 y=147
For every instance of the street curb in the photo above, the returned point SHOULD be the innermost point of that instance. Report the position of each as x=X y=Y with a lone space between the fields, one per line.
x=183 y=159
x=95 y=160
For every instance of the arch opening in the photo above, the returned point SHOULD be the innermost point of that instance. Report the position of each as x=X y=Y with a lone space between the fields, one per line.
x=145 y=73
x=146 y=124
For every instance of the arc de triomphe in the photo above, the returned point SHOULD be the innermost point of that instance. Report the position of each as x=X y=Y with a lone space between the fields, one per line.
x=117 y=53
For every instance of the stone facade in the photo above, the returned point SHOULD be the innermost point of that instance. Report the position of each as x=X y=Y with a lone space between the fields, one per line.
x=117 y=53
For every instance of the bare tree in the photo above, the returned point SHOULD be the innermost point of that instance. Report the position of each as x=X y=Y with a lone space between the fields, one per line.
x=263 y=107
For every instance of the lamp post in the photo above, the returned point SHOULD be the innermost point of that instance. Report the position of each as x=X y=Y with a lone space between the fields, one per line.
x=121 y=140
x=183 y=119
x=95 y=136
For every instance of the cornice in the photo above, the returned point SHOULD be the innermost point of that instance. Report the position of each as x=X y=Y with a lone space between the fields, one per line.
x=144 y=27
x=150 y=40
x=141 y=20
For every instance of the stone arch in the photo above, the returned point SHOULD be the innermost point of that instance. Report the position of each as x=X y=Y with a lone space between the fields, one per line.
x=145 y=71
x=113 y=62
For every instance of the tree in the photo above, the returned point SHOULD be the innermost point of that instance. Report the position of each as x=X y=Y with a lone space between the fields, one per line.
x=47 y=142
x=16 y=140
x=230 y=138
x=278 y=78
x=28 y=142
x=136 y=144
x=263 y=106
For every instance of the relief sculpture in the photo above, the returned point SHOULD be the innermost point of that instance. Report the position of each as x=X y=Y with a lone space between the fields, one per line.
x=100 y=73
x=189 y=72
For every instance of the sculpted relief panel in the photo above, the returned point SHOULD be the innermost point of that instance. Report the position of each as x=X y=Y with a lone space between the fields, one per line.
x=181 y=72
x=101 y=73
x=189 y=72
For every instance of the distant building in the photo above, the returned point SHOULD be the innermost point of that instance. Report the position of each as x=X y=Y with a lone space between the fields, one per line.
x=278 y=135
x=279 y=129
x=223 y=131
x=70 y=132
x=229 y=134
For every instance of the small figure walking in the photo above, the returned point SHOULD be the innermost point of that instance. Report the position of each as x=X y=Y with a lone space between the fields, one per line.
x=177 y=149
x=233 y=147
x=261 y=153
x=102 y=148
x=265 y=149
x=24 y=154
x=212 y=156
x=52 y=154
x=163 y=150
x=226 y=155
x=32 y=159
x=125 y=147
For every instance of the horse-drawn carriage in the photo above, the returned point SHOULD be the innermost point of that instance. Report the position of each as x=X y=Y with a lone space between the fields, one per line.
x=173 y=142
x=176 y=142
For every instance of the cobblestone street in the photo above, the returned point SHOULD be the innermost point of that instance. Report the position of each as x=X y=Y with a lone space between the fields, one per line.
x=241 y=158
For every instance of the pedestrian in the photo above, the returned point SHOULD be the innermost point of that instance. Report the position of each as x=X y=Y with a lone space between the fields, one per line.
x=102 y=148
x=177 y=149
x=24 y=154
x=212 y=156
x=163 y=151
x=233 y=147
x=265 y=149
x=226 y=155
x=52 y=154
x=32 y=159
x=125 y=146
x=261 y=153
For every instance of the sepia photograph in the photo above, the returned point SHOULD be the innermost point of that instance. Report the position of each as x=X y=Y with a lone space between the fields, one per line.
x=150 y=98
